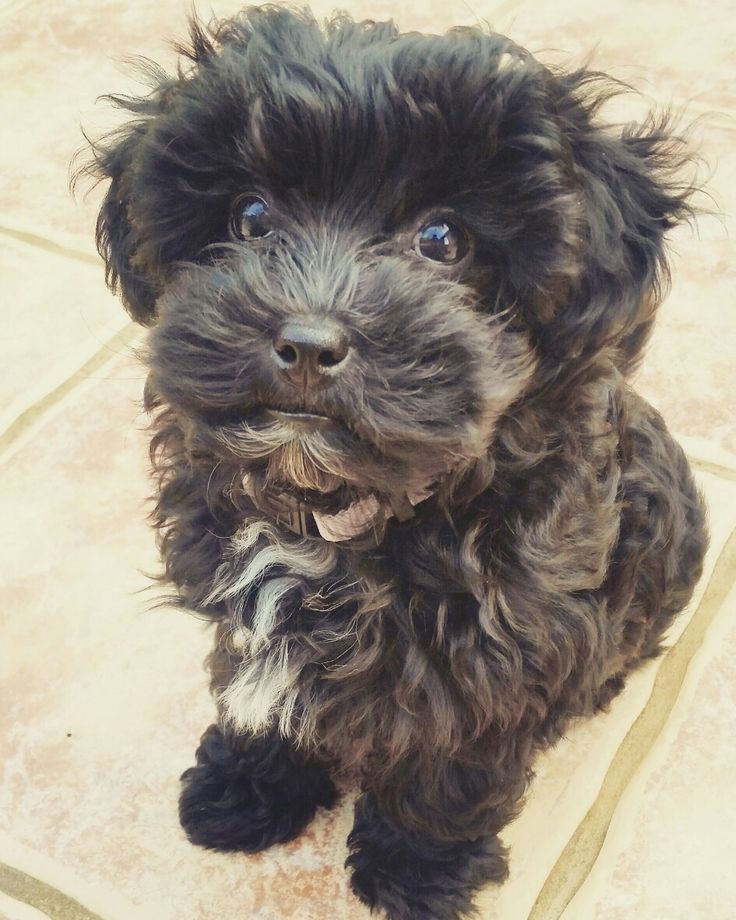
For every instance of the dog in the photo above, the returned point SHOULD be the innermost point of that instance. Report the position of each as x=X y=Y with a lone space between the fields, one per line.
x=396 y=284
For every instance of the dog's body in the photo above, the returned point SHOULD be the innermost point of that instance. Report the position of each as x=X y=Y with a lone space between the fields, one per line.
x=396 y=284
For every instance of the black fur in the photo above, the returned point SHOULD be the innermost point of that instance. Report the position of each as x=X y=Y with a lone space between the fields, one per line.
x=417 y=878
x=563 y=532
x=250 y=793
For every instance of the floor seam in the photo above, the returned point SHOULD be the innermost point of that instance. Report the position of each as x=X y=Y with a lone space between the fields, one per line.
x=37 y=411
x=574 y=864
x=47 y=245
x=51 y=901
x=711 y=467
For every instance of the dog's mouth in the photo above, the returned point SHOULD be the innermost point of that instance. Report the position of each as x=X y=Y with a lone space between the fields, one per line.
x=283 y=496
x=307 y=421
x=300 y=418
x=313 y=456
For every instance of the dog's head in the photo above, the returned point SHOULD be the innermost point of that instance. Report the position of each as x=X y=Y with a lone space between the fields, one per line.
x=359 y=249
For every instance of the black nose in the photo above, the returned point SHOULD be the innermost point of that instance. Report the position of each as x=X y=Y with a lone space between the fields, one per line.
x=310 y=353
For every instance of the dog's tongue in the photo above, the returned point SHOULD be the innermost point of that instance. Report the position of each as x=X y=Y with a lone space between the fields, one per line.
x=360 y=515
x=348 y=523
x=352 y=521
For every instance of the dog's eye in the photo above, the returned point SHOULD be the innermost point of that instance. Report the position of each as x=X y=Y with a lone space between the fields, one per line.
x=249 y=218
x=442 y=241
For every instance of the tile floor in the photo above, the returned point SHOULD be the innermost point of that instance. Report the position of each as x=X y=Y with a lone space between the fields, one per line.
x=632 y=815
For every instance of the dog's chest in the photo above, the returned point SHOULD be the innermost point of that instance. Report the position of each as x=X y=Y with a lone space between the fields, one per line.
x=328 y=648
x=295 y=627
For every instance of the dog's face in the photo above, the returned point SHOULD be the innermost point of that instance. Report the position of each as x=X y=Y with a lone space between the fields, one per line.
x=358 y=250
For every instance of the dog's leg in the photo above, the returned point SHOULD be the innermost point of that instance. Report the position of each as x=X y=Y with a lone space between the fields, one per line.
x=247 y=793
x=417 y=875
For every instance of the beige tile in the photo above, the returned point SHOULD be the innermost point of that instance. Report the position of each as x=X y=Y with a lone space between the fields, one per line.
x=56 y=315
x=43 y=889
x=688 y=372
x=11 y=909
x=669 y=849
x=674 y=51
x=709 y=457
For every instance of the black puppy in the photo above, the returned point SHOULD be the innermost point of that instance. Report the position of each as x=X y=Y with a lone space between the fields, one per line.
x=396 y=284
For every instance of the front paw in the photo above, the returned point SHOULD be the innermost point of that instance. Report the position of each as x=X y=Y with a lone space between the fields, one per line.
x=251 y=797
x=417 y=880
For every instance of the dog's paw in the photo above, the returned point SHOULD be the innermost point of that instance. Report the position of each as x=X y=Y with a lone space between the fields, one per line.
x=250 y=798
x=412 y=880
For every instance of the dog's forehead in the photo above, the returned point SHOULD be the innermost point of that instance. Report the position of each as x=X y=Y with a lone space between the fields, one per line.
x=333 y=114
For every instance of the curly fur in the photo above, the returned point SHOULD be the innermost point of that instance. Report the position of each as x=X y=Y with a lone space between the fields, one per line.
x=247 y=794
x=440 y=653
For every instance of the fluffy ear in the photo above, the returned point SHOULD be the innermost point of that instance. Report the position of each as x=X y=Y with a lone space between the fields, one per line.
x=635 y=184
x=121 y=159
x=116 y=159
x=115 y=236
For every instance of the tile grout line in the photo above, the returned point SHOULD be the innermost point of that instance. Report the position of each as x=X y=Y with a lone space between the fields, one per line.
x=12 y=909
x=29 y=890
x=47 y=245
x=711 y=466
x=44 y=884
x=36 y=412
x=582 y=850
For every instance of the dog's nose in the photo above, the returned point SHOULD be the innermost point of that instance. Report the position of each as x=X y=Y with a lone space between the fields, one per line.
x=310 y=353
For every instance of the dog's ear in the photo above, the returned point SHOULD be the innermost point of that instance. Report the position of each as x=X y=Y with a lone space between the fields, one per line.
x=115 y=236
x=634 y=185
x=123 y=158
x=115 y=159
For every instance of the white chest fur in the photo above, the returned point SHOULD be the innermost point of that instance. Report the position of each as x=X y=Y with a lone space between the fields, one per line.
x=261 y=596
